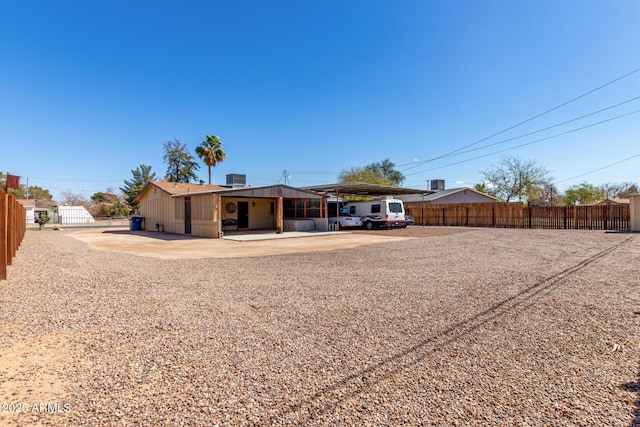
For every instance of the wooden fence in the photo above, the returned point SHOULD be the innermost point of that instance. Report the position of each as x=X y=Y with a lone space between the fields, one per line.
x=13 y=224
x=515 y=215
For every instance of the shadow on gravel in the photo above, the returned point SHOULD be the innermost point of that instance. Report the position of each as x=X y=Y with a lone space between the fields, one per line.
x=634 y=387
x=621 y=232
x=364 y=379
x=154 y=235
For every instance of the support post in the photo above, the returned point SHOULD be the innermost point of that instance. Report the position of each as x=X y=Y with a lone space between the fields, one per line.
x=279 y=216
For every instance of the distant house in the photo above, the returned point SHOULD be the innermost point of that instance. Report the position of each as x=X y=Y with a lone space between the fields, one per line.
x=30 y=207
x=454 y=195
x=614 y=202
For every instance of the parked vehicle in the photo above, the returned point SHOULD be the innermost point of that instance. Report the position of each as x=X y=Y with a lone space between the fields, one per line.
x=382 y=213
x=409 y=220
x=346 y=220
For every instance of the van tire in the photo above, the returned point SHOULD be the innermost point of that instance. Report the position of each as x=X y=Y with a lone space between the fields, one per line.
x=368 y=225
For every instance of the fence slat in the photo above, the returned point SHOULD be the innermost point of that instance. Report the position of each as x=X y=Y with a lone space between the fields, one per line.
x=515 y=215
x=13 y=225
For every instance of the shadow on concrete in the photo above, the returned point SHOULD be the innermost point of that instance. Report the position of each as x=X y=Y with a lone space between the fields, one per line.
x=154 y=235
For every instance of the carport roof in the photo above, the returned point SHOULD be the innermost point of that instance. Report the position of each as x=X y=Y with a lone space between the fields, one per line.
x=260 y=192
x=363 y=189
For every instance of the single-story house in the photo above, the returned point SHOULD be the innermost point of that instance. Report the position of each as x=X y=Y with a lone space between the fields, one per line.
x=453 y=195
x=30 y=208
x=210 y=210
x=614 y=202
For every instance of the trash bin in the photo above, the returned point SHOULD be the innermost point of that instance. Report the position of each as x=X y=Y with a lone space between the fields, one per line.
x=136 y=223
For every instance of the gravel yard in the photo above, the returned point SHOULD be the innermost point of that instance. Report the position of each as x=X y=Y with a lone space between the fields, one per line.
x=484 y=328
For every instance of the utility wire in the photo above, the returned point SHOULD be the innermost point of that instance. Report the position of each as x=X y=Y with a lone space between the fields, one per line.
x=599 y=169
x=552 y=136
x=527 y=143
x=534 y=117
x=415 y=165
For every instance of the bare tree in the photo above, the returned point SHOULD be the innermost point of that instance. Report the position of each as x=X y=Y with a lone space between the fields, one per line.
x=69 y=198
x=619 y=189
x=514 y=178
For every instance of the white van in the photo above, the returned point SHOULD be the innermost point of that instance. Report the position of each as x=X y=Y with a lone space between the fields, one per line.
x=382 y=213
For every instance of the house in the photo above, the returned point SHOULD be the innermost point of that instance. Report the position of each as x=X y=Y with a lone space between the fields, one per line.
x=210 y=210
x=453 y=195
x=30 y=208
x=614 y=202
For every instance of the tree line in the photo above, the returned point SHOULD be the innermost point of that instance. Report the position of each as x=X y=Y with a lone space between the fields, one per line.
x=181 y=167
x=512 y=179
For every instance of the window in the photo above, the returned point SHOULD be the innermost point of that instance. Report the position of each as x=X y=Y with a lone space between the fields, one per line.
x=289 y=208
x=313 y=208
x=395 y=207
x=352 y=210
x=375 y=208
x=302 y=208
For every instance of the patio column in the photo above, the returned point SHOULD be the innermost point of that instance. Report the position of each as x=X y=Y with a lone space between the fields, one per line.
x=279 y=216
x=217 y=200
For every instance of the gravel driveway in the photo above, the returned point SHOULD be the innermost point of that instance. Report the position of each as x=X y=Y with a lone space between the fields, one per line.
x=485 y=328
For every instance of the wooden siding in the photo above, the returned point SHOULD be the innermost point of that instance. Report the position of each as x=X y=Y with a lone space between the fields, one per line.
x=515 y=215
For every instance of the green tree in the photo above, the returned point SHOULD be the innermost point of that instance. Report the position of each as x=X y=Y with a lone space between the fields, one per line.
x=181 y=165
x=583 y=194
x=107 y=204
x=141 y=176
x=514 y=178
x=210 y=151
x=43 y=198
x=117 y=209
x=381 y=173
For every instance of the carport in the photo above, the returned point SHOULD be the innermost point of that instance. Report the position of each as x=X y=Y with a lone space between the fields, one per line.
x=361 y=189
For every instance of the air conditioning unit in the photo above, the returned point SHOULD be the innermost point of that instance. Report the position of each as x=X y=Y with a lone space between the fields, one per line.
x=236 y=180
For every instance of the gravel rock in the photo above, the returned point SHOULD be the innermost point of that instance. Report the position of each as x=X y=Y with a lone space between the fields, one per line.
x=490 y=327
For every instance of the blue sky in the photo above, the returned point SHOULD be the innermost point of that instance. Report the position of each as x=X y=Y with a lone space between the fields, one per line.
x=91 y=90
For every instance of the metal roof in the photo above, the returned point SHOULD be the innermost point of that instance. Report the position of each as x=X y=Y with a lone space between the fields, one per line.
x=363 y=189
x=259 y=192
x=444 y=193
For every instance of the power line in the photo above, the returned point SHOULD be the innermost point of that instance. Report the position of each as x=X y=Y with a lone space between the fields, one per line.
x=525 y=144
x=527 y=120
x=458 y=152
x=599 y=169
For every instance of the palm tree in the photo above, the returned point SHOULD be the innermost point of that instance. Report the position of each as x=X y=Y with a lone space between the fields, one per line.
x=210 y=151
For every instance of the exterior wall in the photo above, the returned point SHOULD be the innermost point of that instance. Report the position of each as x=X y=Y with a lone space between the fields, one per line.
x=30 y=210
x=260 y=213
x=158 y=207
x=634 y=220
x=204 y=215
x=463 y=196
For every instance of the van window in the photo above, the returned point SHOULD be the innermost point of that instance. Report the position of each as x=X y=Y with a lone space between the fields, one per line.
x=352 y=210
x=395 y=207
x=375 y=208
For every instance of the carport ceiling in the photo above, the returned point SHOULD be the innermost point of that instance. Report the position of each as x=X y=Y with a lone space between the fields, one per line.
x=363 y=189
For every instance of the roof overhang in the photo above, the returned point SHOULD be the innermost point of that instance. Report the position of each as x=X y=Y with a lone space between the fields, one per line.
x=270 y=191
x=363 y=189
